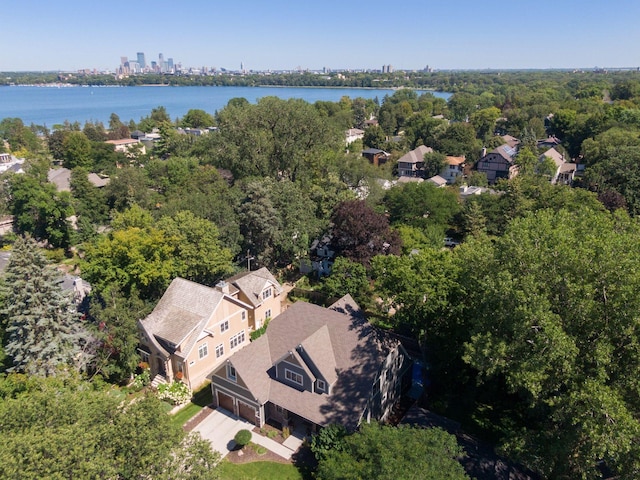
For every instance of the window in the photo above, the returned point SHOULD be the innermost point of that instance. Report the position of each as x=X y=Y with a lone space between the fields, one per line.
x=293 y=376
x=266 y=293
x=322 y=386
x=231 y=373
x=244 y=315
x=203 y=351
x=224 y=326
x=219 y=350
x=267 y=314
x=236 y=339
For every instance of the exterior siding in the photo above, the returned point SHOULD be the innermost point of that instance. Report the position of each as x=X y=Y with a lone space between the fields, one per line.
x=289 y=365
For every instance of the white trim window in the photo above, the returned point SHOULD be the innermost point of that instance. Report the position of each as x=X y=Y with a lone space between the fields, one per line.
x=293 y=376
x=231 y=373
x=267 y=314
x=236 y=340
x=244 y=315
x=266 y=293
x=219 y=350
x=321 y=386
x=203 y=351
x=224 y=326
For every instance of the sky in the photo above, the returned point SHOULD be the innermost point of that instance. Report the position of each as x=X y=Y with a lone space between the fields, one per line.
x=69 y=35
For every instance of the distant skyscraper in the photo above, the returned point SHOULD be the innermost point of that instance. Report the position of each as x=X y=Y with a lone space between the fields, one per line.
x=170 y=64
x=242 y=66
x=141 y=60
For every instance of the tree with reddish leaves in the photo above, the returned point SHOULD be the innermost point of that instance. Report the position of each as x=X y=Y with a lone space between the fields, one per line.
x=359 y=233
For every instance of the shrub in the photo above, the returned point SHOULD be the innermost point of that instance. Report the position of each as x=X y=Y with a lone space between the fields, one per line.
x=285 y=432
x=260 y=450
x=141 y=380
x=242 y=438
x=259 y=332
x=176 y=393
x=272 y=434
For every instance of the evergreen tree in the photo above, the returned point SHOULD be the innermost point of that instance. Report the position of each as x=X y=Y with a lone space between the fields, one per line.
x=43 y=327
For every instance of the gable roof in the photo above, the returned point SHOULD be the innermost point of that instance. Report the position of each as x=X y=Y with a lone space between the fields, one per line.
x=455 y=160
x=437 y=180
x=506 y=152
x=253 y=283
x=554 y=155
x=181 y=314
x=510 y=140
x=341 y=345
x=416 y=155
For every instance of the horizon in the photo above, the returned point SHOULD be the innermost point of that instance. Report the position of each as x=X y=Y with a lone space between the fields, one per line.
x=71 y=36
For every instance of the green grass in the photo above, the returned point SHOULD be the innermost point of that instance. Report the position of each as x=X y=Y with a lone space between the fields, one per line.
x=200 y=399
x=258 y=471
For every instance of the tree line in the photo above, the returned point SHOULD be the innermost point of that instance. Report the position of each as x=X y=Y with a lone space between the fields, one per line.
x=532 y=317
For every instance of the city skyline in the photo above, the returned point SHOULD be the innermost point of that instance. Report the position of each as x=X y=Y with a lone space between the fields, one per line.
x=284 y=35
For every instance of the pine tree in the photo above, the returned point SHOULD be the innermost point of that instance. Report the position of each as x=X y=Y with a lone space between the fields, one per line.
x=43 y=327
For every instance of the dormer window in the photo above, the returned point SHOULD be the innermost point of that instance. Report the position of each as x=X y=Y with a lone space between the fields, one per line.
x=321 y=386
x=266 y=293
x=293 y=376
x=231 y=373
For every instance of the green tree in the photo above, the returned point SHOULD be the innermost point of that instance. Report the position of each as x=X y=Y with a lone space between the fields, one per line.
x=374 y=137
x=77 y=151
x=348 y=277
x=382 y=452
x=39 y=209
x=555 y=332
x=68 y=429
x=434 y=163
x=197 y=118
x=115 y=326
x=44 y=332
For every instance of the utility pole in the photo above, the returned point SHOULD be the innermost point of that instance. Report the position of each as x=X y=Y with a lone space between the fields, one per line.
x=249 y=257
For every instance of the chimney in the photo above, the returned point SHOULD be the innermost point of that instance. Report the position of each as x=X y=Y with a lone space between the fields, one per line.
x=484 y=152
x=223 y=287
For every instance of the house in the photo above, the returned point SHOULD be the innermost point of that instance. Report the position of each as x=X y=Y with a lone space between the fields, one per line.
x=321 y=256
x=557 y=158
x=11 y=163
x=194 y=328
x=126 y=144
x=61 y=178
x=454 y=168
x=499 y=163
x=375 y=156
x=567 y=173
x=314 y=367
x=411 y=164
x=353 y=134
x=438 y=181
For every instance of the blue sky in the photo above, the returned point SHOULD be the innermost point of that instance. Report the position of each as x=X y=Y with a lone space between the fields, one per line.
x=286 y=34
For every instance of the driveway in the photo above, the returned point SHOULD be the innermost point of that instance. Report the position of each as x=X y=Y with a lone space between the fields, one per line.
x=220 y=426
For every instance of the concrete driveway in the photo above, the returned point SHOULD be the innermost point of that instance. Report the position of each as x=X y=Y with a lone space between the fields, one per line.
x=220 y=427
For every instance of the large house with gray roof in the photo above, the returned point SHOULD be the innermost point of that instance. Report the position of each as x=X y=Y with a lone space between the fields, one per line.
x=313 y=367
x=194 y=328
x=499 y=163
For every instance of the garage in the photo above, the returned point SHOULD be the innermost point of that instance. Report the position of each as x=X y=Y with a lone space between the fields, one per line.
x=225 y=401
x=247 y=412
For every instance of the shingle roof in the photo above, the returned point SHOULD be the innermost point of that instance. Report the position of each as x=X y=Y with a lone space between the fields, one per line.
x=184 y=308
x=253 y=283
x=357 y=355
x=416 y=155
x=554 y=155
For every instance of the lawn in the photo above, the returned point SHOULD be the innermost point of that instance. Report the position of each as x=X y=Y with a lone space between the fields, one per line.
x=258 y=471
x=200 y=399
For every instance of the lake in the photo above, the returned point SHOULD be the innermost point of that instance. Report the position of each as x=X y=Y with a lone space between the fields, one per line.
x=50 y=105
